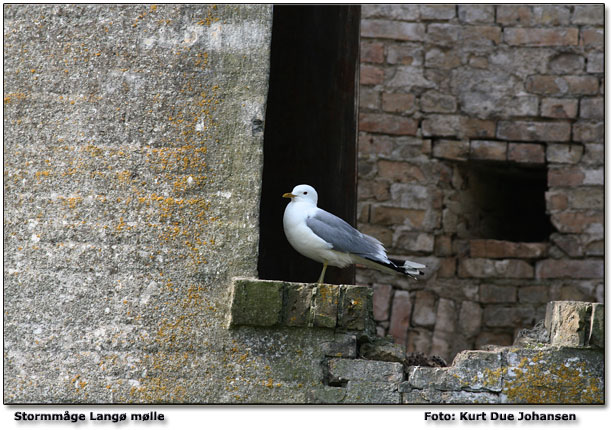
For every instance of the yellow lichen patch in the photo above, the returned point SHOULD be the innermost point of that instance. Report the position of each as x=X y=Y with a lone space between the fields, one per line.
x=11 y=97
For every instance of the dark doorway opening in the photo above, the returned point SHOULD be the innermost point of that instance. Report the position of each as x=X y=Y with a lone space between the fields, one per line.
x=310 y=128
x=506 y=202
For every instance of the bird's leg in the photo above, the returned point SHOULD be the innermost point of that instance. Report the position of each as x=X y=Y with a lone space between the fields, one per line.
x=322 y=274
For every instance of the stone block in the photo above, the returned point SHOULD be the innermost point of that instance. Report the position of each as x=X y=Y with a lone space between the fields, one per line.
x=385 y=215
x=298 y=300
x=342 y=370
x=441 y=125
x=559 y=108
x=343 y=346
x=488 y=150
x=592 y=38
x=424 y=309
x=592 y=108
x=477 y=37
x=397 y=30
x=400 y=316
x=551 y=15
x=592 y=14
x=382 y=297
x=437 y=12
x=581 y=85
x=526 y=153
x=547 y=85
x=533 y=294
x=578 y=221
x=414 y=242
x=387 y=124
x=444 y=34
x=520 y=36
x=570 y=269
x=441 y=59
x=398 y=102
x=325 y=304
x=563 y=153
x=433 y=101
x=565 y=63
x=372 y=52
x=369 y=99
x=383 y=350
x=509 y=316
x=400 y=171
x=379 y=393
x=470 y=318
x=514 y=14
x=256 y=303
x=477 y=128
x=371 y=75
x=597 y=326
x=490 y=248
x=326 y=395
x=490 y=293
x=565 y=176
x=429 y=397
x=596 y=62
x=405 y=55
x=354 y=307
x=398 y=12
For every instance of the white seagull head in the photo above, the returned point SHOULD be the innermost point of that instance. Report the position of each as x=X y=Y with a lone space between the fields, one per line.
x=303 y=193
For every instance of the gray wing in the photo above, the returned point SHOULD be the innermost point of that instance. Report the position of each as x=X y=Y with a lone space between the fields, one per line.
x=344 y=237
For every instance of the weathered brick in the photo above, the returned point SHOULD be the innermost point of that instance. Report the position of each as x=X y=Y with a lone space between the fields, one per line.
x=400 y=12
x=563 y=153
x=406 y=55
x=324 y=307
x=400 y=316
x=443 y=245
x=514 y=14
x=553 y=14
x=541 y=36
x=526 y=153
x=596 y=62
x=488 y=150
x=490 y=293
x=386 y=29
x=559 y=108
x=593 y=14
x=444 y=34
x=441 y=125
x=490 y=248
x=594 y=153
x=256 y=303
x=408 y=79
x=437 y=12
x=546 y=85
x=556 y=200
x=476 y=13
x=383 y=234
x=369 y=99
x=533 y=294
x=447 y=267
x=384 y=215
x=388 y=124
x=342 y=370
x=565 y=63
x=588 y=132
x=487 y=268
x=400 y=171
x=477 y=128
x=586 y=198
x=578 y=221
x=479 y=36
x=570 y=244
x=434 y=101
x=372 y=52
x=592 y=108
x=567 y=177
x=371 y=75
x=441 y=59
x=298 y=300
x=354 y=307
x=445 y=319
x=534 y=131
x=470 y=318
x=398 y=102
x=373 y=189
x=451 y=149
x=424 y=309
x=414 y=242
x=375 y=144
x=592 y=38
x=509 y=316
x=581 y=85
x=382 y=296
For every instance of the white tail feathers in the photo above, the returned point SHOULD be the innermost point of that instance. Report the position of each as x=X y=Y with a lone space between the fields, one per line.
x=412 y=268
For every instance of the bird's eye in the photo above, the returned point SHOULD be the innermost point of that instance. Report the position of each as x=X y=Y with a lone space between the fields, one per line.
x=305 y=192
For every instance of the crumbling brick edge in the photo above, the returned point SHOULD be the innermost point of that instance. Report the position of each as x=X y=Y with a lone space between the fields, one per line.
x=563 y=364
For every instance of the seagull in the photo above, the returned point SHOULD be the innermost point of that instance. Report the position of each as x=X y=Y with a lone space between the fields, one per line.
x=323 y=237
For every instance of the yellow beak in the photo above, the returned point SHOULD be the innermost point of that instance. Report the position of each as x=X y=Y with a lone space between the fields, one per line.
x=288 y=195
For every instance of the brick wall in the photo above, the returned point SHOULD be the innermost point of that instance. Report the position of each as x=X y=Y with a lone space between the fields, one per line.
x=481 y=155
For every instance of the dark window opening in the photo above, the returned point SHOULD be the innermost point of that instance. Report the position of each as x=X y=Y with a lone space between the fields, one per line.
x=505 y=202
x=310 y=129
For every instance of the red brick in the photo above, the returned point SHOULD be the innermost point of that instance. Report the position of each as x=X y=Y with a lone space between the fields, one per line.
x=382 y=296
x=398 y=102
x=451 y=149
x=474 y=127
x=581 y=84
x=546 y=85
x=372 y=52
x=400 y=317
x=397 y=30
x=571 y=269
x=441 y=125
x=400 y=171
x=371 y=75
x=375 y=144
x=559 y=108
x=488 y=150
x=482 y=35
x=592 y=38
x=489 y=248
x=526 y=153
x=387 y=124
x=565 y=177
x=589 y=132
x=384 y=215
x=541 y=36
x=490 y=293
x=578 y=221
x=447 y=267
x=487 y=268
x=443 y=245
x=534 y=131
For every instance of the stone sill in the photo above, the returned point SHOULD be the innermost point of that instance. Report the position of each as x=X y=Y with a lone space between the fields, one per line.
x=264 y=303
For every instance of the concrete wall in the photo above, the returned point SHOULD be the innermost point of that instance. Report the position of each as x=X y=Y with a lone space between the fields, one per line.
x=514 y=88
x=133 y=152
